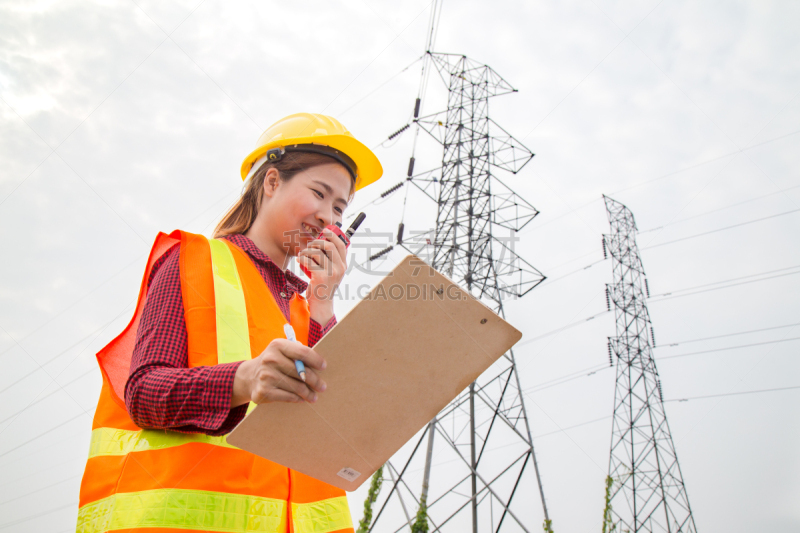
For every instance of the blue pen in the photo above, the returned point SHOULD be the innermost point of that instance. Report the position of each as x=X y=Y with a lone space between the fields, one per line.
x=298 y=364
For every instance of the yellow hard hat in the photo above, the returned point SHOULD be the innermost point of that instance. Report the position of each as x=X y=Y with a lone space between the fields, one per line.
x=309 y=132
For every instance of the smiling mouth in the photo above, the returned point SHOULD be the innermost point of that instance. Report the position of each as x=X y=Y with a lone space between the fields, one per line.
x=311 y=231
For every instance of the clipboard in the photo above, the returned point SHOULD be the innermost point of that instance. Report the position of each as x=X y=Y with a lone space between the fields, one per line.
x=394 y=361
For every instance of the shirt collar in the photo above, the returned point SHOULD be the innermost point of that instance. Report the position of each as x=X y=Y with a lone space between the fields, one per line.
x=255 y=253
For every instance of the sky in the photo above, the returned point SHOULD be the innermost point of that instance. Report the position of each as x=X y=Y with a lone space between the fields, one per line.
x=120 y=119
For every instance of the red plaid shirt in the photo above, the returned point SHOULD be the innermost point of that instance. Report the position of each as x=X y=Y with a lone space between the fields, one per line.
x=162 y=392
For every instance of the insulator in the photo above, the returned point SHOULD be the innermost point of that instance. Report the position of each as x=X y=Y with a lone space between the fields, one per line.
x=410 y=167
x=416 y=108
x=610 y=354
x=608 y=299
x=390 y=191
x=605 y=251
x=382 y=252
x=653 y=336
x=400 y=233
x=398 y=132
x=647 y=287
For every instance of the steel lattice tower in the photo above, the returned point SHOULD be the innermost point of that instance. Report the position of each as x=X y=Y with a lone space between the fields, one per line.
x=647 y=493
x=476 y=486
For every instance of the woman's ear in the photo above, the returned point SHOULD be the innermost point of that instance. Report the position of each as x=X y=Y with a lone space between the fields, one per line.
x=272 y=180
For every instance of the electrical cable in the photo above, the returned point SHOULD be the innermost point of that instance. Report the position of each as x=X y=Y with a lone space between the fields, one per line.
x=74 y=303
x=635 y=185
x=382 y=85
x=568 y=326
x=38 y=514
x=720 y=229
x=40 y=399
x=385 y=194
x=764 y=273
x=584 y=320
x=53 y=379
x=594 y=370
x=550 y=281
x=726 y=348
x=732 y=394
x=586 y=423
x=668 y=345
x=571 y=261
x=599 y=368
x=41 y=489
x=724 y=287
x=746 y=148
x=40 y=435
x=49 y=468
x=573 y=427
x=585 y=372
x=719 y=209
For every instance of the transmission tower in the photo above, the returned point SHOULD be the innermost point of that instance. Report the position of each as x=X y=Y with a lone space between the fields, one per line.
x=647 y=491
x=473 y=466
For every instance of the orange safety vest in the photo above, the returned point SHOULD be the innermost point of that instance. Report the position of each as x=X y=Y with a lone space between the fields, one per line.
x=159 y=481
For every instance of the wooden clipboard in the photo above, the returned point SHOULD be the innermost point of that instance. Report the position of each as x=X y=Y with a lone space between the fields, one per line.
x=394 y=361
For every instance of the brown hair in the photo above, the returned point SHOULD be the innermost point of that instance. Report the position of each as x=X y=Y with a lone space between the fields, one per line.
x=241 y=216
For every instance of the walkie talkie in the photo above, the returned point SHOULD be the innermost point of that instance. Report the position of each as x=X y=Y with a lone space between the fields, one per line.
x=344 y=236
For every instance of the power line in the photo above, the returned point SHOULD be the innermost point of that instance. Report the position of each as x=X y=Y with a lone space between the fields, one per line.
x=674 y=173
x=76 y=302
x=670 y=297
x=53 y=379
x=764 y=273
x=732 y=394
x=60 y=386
x=719 y=209
x=721 y=229
x=550 y=281
x=40 y=435
x=558 y=330
x=667 y=345
x=70 y=478
x=593 y=370
x=49 y=468
x=553 y=280
x=746 y=148
x=37 y=515
x=656 y=298
x=376 y=89
x=665 y=296
x=738 y=346
x=573 y=427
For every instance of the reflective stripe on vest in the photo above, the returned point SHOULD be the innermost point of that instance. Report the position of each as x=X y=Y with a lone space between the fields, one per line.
x=196 y=510
x=233 y=335
x=233 y=332
x=321 y=517
x=110 y=441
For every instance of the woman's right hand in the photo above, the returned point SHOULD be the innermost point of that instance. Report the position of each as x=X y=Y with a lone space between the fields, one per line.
x=272 y=376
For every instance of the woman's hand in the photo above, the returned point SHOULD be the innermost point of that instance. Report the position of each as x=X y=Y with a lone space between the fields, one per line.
x=327 y=262
x=272 y=376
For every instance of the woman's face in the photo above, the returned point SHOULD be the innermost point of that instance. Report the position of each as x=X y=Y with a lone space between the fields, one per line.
x=304 y=205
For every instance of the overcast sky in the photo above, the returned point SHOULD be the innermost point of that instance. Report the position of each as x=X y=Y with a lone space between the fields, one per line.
x=122 y=119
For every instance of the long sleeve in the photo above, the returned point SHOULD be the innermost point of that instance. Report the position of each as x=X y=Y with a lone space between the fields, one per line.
x=316 y=332
x=162 y=392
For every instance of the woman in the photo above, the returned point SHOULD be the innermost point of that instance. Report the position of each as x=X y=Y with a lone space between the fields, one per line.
x=207 y=340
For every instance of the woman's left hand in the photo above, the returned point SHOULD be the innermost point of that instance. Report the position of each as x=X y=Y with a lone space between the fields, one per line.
x=327 y=262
